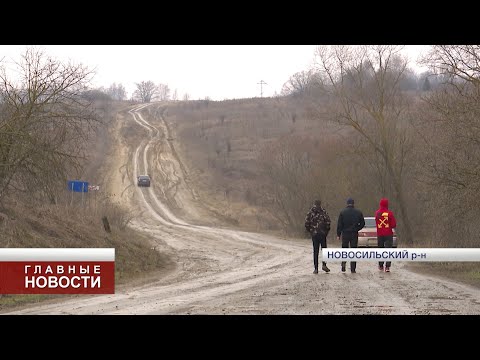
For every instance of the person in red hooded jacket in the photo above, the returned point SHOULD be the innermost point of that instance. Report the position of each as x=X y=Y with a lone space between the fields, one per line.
x=386 y=222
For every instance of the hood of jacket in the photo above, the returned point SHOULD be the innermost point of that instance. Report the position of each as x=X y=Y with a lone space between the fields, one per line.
x=384 y=203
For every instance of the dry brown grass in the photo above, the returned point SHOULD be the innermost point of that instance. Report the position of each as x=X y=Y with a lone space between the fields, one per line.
x=222 y=145
x=71 y=226
x=219 y=143
x=75 y=226
x=465 y=272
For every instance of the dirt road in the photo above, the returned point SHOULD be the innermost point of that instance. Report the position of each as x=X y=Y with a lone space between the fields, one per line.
x=222 y=271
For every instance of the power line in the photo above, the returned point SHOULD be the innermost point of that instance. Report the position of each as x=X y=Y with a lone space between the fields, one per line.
x=261 y=83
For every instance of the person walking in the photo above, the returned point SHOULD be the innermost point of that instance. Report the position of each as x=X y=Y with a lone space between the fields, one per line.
x=350 y=221
x=317 y=223
x=385 y=221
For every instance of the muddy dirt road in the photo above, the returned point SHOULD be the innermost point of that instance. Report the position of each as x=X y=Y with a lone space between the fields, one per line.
x=222 y=271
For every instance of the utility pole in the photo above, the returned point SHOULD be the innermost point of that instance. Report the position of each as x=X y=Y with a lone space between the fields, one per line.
x=261 y=83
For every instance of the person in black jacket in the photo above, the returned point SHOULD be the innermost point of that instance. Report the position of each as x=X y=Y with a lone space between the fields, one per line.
x=350 y=221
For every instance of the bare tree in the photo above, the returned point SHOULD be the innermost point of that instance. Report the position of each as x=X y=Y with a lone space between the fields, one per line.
x=175 y=95
x=456 y=120
x=163 y=92
x=299 y=83
x=287 y=165
x=44 y=123
x=409 y=80
x=98 y=94
x=294 y=171
x=186 y=97
x=146 y=91
x=450 y=125
x=117 y=92
x=364 y=88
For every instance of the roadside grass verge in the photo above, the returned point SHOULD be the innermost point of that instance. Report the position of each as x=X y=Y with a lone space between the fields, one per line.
x=463 y=272
x=54 y=226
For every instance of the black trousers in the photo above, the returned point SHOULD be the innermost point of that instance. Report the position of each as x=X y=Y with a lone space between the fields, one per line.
x=385 y=242
x=317 y=240
x=350 y=240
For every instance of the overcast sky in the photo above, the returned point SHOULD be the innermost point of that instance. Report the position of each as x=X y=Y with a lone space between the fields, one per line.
x=217 y=71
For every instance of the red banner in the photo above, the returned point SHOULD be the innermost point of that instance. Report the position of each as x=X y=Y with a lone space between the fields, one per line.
x=57 y=271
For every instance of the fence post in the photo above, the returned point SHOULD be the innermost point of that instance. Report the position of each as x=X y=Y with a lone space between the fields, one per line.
x=106 y=225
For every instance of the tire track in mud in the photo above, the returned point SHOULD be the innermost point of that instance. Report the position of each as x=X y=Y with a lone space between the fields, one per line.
x=223 y=271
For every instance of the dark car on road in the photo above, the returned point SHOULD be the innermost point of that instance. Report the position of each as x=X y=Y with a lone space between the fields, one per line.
x=143 y=180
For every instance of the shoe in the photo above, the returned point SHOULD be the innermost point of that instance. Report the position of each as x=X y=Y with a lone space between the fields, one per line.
x=325 y=268
x=380 y=268
x=315 y=271
x=353 y=271
x=343 y=268
x=387 y=269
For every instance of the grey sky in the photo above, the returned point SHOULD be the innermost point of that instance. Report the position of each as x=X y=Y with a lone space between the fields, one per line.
x=217 y=71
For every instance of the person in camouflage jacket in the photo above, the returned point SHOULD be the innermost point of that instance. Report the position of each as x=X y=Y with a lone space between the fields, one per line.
x=317 y=223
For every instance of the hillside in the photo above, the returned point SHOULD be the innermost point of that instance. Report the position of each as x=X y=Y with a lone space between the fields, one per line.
x=76 y=220
x=220 y=143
